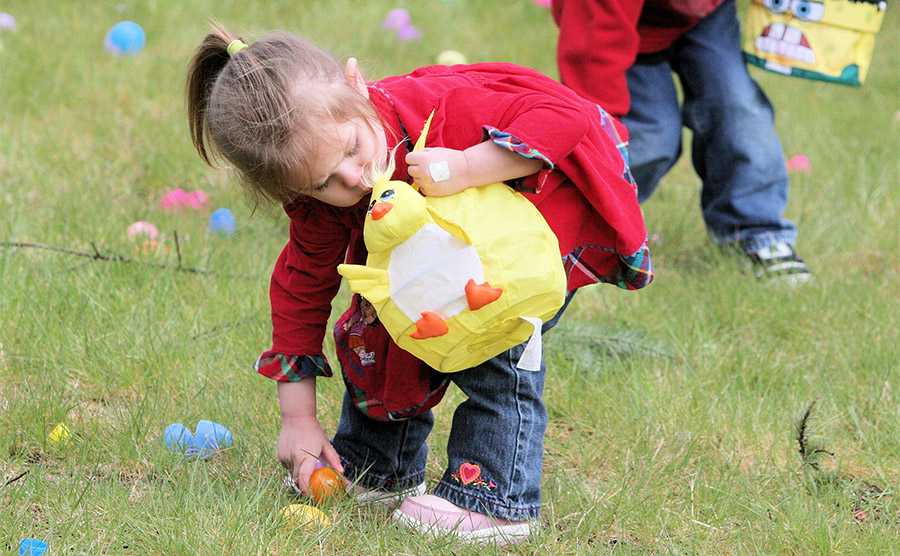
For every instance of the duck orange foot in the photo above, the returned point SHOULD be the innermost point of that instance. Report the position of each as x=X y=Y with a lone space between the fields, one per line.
x=479 y=295
x=429 y=326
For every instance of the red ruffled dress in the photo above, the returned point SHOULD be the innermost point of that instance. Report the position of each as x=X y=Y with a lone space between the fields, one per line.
x=584 y=191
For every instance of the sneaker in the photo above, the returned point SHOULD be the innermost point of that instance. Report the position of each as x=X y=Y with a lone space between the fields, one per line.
x=779 y=262
x=386 y=498
x=365 y=496
x=433 y=515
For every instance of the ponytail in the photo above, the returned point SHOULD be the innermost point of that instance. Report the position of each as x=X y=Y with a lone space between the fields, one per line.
x=208 y=62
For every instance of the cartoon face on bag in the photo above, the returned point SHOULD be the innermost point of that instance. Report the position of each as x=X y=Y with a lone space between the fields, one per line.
x=833 y=38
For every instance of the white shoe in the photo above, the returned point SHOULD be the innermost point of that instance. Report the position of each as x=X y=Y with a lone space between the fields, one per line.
x=430 y=514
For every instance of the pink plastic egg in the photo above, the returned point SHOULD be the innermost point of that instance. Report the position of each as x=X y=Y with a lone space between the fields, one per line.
x=141 y=228
x=799 y=163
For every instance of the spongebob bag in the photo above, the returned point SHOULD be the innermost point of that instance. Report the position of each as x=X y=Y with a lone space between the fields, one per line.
x=827 y=40
x=457 y=280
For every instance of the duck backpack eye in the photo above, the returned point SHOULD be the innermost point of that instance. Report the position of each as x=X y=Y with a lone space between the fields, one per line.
x=457 y=280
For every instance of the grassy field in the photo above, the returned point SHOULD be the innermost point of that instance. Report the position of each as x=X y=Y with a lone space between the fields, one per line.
x=673 y=410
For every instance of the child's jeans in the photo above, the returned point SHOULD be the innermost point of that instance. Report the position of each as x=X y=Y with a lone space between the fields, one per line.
x=735 y=148
x=496 y=444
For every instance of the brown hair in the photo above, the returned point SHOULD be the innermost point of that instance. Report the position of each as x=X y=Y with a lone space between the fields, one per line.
x=262 y=109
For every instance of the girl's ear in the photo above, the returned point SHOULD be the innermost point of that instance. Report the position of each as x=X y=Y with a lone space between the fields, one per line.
x=354 y=77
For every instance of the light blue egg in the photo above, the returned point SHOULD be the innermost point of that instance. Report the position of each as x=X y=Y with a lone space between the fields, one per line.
x=125 y=38
x=178 y=437
x=32 y=547
x=210 y=436
x=221 y=221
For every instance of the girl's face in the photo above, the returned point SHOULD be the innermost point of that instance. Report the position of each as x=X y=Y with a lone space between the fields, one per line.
x=341 y=163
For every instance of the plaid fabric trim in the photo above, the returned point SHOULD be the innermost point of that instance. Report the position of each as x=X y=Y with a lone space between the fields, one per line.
x=291 y=368
x=632 y=273
x=516 y=145
x=606 y=123
x=636 y=270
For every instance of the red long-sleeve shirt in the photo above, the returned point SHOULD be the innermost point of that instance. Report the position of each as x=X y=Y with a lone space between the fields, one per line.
x=600 y=39
x=583 y=191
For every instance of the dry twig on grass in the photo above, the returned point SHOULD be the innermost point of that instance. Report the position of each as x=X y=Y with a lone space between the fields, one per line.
x=808 y=453
x=98 y=256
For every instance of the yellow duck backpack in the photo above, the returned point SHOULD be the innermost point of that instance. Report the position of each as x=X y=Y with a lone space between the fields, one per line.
x=457 y=280
x=827 y=40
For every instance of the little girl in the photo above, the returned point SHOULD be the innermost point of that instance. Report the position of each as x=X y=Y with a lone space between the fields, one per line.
x=308 y=133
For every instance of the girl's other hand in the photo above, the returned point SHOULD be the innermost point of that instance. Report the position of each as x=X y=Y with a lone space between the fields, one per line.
x=438 y=171
x=300 y=444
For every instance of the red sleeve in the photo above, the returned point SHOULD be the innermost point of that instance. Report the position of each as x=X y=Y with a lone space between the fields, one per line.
x=544 y=115
x=598 y=42
x=516 y=107
x=305 y=281
x=549 y=125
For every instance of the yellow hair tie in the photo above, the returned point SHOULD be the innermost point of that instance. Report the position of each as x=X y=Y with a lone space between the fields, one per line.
x=235 y=46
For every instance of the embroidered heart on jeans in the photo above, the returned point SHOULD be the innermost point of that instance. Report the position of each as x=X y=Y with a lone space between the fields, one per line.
x=469 y=473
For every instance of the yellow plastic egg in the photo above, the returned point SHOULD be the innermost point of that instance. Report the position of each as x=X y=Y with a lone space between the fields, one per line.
x=451 y=57
x=59 y=435
x=303 y=516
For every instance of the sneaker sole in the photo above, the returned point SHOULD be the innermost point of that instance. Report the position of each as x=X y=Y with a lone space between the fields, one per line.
x=500 y=534
x=384 y=498
x=791 y=280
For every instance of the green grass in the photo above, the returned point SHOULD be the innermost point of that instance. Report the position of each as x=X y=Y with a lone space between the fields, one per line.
x=673 y=410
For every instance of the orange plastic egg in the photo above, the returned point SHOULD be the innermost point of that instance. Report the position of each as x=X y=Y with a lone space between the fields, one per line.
x=324 y=483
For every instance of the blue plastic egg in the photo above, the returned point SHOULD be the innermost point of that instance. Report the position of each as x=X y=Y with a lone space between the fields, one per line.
x=125 y=38
x=210 y=436
x=178 y=437
x=221 y=221
x=32 y=547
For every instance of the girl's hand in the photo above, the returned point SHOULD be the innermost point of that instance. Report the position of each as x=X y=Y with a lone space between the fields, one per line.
x=301 y=442
x=439 y=171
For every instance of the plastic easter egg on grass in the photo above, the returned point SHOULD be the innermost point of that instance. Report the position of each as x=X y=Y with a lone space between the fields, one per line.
x=325 y=483
x=451 y=58
x=408 y=33
x=174 y=198
x=221 y=221
x=179 y=198
x=799 y=163
x=304 y=516
x=396 y=19
x=60 y=434
x=125 y=38
x=32 y=547
x=210 y=436
x=7 y=22
x=196 y=199
x=141 y=228
x=178 y=438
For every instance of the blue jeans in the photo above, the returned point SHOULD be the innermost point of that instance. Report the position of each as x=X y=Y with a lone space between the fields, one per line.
x=496 y=444
x=735 y=148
